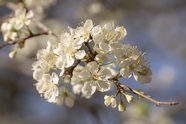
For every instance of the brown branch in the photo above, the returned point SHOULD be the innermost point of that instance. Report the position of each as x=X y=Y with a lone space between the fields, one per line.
x=24 y=39
x=122 y=88
x=7 y=44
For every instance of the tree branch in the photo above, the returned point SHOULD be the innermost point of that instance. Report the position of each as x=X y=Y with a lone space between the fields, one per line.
x=24 y=39
x=122 y=88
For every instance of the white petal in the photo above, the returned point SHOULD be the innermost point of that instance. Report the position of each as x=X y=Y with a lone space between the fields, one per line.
x=69 y=102
x=30 y=14
x=121 y=32
x=77 y=88
x=92 y=67
x=80 y=54
x=55 y=78
x=27 y=22
x=84 y=75
x=88 y=25
x=49 y=46
x=79 y=32
x=70 y=94
x=69 y=61
x=37 y=74
x=103 y=86
x=77 y=43
x=60 y=100
x=141 y=79
x=88 y=90
x=113 y=102
x=125 y=73
x=4 y=27
x=100 y=57
x=96 y=30
x=41 y=86
x=105 y=73
x=104 y=46
x=98 y=38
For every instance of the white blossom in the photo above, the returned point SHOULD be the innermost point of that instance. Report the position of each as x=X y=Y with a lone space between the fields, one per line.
x=46 y=86
x=95 y=78
x=108 y=35
x=87 y=30
x=65 y=97
x=23 y=18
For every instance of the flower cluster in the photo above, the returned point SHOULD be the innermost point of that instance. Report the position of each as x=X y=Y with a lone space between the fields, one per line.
x=86 y=58
x=16 y=27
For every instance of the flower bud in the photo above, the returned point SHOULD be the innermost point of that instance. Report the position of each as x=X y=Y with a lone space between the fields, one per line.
x=121 y=106
x=107 y=100
x=129 y=98
x=13 y=54
x=113 y=102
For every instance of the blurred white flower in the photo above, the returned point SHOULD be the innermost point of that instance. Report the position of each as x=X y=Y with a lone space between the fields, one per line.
x=23 y=18
x=12 y=27
x=46 y=86
x=65 y=96
x=108 y=35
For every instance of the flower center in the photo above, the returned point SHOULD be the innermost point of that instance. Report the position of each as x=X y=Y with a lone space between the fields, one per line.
x=51 y=59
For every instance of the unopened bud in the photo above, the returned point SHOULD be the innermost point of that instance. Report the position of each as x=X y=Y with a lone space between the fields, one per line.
x=13 y=54
x=129 y=98
x=121 y=106
x=107 y=100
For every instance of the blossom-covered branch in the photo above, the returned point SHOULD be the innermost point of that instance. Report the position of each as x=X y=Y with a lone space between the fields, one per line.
x=88 y=58
x=21 y=41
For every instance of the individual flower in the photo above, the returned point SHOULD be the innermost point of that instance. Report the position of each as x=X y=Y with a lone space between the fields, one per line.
x=87 y=30
x=95 y=78
x=69 y=48
x=23 y=18
x=108 y=35
x=65 y=97
x=47 y=87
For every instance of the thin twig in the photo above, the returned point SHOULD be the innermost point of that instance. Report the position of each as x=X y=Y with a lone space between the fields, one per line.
x=124 y=88
x=24 y=39
x=7 y=44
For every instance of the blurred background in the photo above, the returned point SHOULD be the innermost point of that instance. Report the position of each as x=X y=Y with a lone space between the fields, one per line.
x=157 y=27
